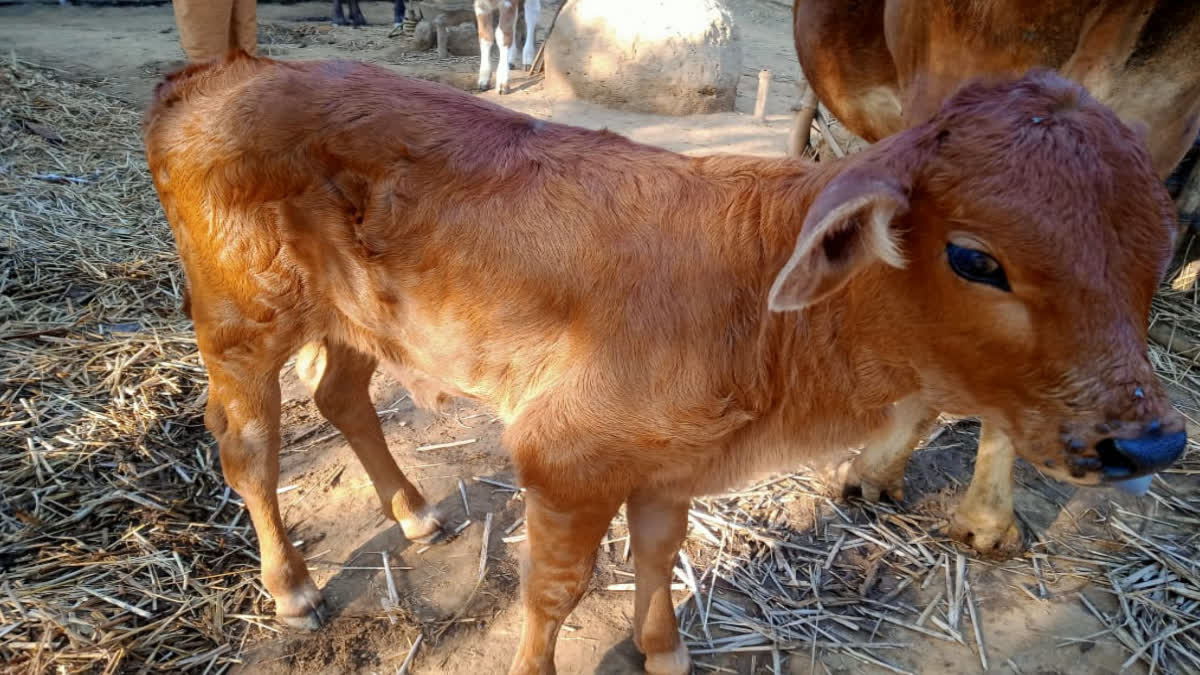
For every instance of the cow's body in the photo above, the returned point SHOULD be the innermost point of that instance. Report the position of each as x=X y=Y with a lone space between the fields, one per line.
x=882 y=66
x=504 y=35
x=649 y=326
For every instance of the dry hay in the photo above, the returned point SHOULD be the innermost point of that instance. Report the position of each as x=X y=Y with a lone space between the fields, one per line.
x=864 y=579
x=120 y=547
x=119 y=544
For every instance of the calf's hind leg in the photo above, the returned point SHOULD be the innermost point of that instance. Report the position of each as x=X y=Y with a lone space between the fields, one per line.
x=339 y=378
x=243 y=415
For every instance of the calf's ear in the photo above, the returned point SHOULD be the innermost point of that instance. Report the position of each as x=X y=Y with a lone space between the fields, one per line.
x=848 y=227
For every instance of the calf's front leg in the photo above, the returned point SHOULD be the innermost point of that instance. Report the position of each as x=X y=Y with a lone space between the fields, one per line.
x=879 y=469
x=533 y=8
x=506 y=42
x=984 y=519
x=657 y=527
x=483 y=20
x=564 y=534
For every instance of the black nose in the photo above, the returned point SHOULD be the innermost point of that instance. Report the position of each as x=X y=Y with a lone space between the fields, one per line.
x=1123 y=458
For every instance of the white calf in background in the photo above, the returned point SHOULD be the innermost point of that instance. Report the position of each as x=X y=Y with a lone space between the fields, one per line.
x=503 y=34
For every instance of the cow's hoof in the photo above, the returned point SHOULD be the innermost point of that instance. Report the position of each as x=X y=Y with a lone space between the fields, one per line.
x=993 y=539
x=675 y=662
x=852 y=484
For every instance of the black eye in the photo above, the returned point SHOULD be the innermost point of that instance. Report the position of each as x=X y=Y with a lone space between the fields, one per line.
x=976 y=266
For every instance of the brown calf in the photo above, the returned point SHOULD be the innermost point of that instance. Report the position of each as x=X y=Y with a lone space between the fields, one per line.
x=885 y=65
x=651 y=326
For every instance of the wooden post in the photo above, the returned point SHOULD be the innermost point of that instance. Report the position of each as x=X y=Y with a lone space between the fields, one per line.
x=802 y=129
x=443 y=42
x=539 y=59
x=760 y=102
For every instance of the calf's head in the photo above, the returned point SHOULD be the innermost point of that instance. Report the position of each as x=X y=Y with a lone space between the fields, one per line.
x=1005 y=254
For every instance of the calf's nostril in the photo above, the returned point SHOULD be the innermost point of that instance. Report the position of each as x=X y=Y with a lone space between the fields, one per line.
x=1114 y=462
x=1123 y=458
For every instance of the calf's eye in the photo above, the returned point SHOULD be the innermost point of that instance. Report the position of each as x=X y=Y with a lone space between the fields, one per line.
x=976 y=266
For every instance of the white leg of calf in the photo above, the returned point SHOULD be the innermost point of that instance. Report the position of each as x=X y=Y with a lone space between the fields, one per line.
x=502 y=66
x=533 y=8
x=485 y=63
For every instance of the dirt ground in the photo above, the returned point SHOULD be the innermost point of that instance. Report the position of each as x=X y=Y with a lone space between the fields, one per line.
x=331 y=507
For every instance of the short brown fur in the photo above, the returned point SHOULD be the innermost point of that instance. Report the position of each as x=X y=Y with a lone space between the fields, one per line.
x=884 y=65
x=623 y=308
x=881 y=66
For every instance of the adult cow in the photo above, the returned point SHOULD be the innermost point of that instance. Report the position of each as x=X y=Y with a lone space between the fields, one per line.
x=881 y=66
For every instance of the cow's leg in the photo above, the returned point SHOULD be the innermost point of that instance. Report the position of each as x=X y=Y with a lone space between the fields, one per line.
x=657 y=526
x=1187 y=245
x=339 y=378
x=505 y=42
x=398 y=14
x=337 y=16
x=356 y=15
x=564 y=533
x=243 y=415
x=985 y=520
x=533 y=10
x=483 y=19
x=879 y=469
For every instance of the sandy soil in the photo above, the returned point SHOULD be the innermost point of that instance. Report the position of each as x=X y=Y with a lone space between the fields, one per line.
x=332 y=508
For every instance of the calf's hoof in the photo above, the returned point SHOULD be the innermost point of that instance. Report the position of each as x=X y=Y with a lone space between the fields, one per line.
x=675 y=662
x=423 y=527
x=852 y=484
x=989 y=537
x=304 y=608
x=525 y=667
